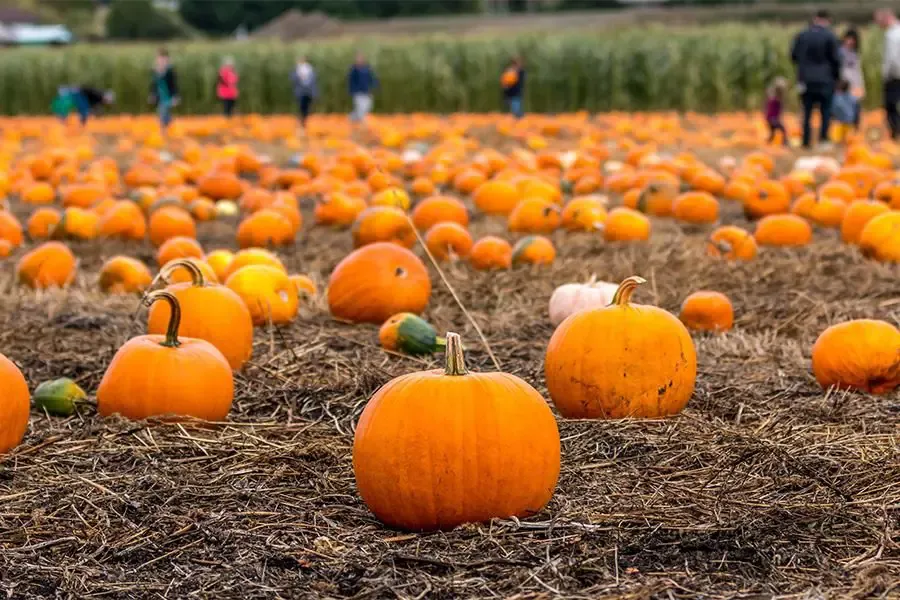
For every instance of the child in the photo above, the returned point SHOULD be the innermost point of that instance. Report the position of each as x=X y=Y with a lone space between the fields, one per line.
x=844 y=110
x=163 y=88
x=83 y=99
x=775 y=109
x=513 y=82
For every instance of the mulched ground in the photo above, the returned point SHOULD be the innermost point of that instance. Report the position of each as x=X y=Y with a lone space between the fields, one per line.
x=765 y=486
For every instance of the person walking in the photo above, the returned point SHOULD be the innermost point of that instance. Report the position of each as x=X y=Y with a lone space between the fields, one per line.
x=227 y=86
x=303 y=82
x=85 y=100
x=362 y=82
x=817 y=59
x=513 y=83
x=775 y=110
x=163 y=88
x=890 y=68
x=851 y=69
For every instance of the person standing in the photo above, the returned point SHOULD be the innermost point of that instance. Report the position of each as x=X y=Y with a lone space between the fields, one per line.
x=362 y=82
x=817 y=59
x=851 y=69
x=227 y=86
x=775 y=110
x=513 y=83
x=163 y=88
x=890 y=68
x=303 y=82
x=85 y=100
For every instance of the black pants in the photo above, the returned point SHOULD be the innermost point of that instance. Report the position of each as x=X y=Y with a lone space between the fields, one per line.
x=891 y=100
x=305 y=103
x=228 y=106
x=775 y=127
x=816 y=97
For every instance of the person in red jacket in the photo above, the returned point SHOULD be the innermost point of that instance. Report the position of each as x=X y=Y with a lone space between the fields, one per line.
x=227 y=86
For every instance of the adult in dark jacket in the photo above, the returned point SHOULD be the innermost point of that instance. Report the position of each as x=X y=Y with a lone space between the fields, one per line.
x=513 y=83
x=361 y=82
x=84 y=99
x=816 y=55
x=303 y=83
x=163 y=88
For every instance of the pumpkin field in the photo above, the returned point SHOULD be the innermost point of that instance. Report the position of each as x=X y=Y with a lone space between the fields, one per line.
x=713 y=413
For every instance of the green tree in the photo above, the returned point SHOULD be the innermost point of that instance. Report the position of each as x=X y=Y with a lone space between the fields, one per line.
x=138 y=20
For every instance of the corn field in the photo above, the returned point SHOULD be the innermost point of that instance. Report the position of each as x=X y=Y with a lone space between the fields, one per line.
x=716 y=68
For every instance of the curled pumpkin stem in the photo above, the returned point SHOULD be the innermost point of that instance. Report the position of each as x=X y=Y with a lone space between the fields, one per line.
x=197 y=279
x=626 y=289
x=171 y=340
x=456 y=360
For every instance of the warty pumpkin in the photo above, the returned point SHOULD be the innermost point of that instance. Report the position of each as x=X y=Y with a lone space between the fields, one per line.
x=410 y=334
x=880 y=238
x=14 y=405
x=707 y=311
x=863 y=354
x=783 y=230
x=124 y=275
x=383 y=224
x=162 y=375
x=732 y=243
x=624 y=360
x=438 y=209
x=436 y=449
x=209 y=312
x=377 y=281
x=51 y=264
x=447 y=238
x=491 y=252
x=533 y=250
x=267 y=291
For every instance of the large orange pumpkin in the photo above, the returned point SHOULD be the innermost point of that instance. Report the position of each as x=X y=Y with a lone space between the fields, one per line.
x=267 y=291
x=15 y=402
x=880 y=238
x=534 y=215
x=252 y=256
x=863 y=354
x=220 y=186
x=496 y=197
x=484 y=445
x=624 y=360
x=857 y=216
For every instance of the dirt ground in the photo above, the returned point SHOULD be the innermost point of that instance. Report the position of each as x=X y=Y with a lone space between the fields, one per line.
x=765 y=486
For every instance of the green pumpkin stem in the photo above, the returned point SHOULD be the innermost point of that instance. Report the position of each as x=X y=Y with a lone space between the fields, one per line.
x=456 y=362
x=171 y=340
x=197 y=279
x=626 y=289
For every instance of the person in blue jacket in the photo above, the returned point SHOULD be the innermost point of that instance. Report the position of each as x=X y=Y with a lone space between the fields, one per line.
x=513 y=83
x=361 y=82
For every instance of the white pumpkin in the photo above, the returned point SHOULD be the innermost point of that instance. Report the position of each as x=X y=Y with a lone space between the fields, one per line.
x=570 y=298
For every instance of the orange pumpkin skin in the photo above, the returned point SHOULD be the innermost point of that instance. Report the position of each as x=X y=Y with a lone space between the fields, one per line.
x=252 y=256
x=769 y=198
x=880 y=238
x=219 y=261
x=220 y=186
x=169 y=222
x=583 y=214
x=534 y=250
x=82 y=195
x=732 y=243
x=184 y=276
x=178 y=247
x=858 y=215
x=39 y=193
x=623 y=360
x=444 y=238
x=377 y=281
x=438 y=209
x=15 y=403
x=534 y=215
x=124 y=275
x=5 y=248
x=491 y=252
x=485 y=445
x=383 y=224
x=707 y=311
x=783 y=230
x=862 y=354
x=698 y=208
x=51 y=264
x=263 y=228
x=824 y=211
x=496 y=197
x=42 y=222
x=626 y=225
x=268 y=293
x=339 y=209
x=156 y=375
x=123 y=220
x=306 y=287
x=10 y=228
x=208 y=312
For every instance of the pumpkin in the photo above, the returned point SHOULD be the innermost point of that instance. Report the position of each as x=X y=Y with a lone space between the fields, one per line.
x=208 y=312
x=880 y=238
x=422 y=187
x=448 y=238
x=76 y=224
x=767 y=198
x=825 y=211
x=410 y=334
x=42 y=222
x=263 y=228
x=697 y=208
x=6 y=249
x=162 y=375
x=185 y=276
x=570 y=298
x=288 y=209
x=438 y=209
x=377 y=281
x=338 y=209
x=220 y=186
x=169 y=222
x=484 y=445
x=123 y=220
x=732 y=243
x=626 y=225
x=10 y=228
x=623 y=360
x=51 y=264
x=306 y=287
x=496 y=197
x=178 y=247
x=268 y=293
x=383 y=224
x=863 y=354
x=707 y=311
x=491 y=252
x=252 y=256
x=586 y=213
x=83 y=195
x=391 y=196
x=203 y=209
x=124 y=275
x=467 y=180
x=534 y=215
x=783 y=230
x=14 y=405
x=509 y=78
x=220 y=261
x=857 y=216
x=40 y=192
x=58 y=397
x=653 y=199
x=533 y=250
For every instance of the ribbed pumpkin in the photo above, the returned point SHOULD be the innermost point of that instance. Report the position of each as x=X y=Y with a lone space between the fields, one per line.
x=410 y=334
x=491 y=252
x=377 y=281
x=880 y=238
x=483 y=445
x=124 y=275
x=208 y=312
x=51 y=264
x=268 y=293
x=707 y=311
x=732 y=243
x=14 y=405
x=624 y=360
x=862 y=354
x=156 y=375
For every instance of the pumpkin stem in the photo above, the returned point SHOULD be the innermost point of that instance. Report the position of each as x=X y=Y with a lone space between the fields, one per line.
x=456 y=362
x=171 y=340
x=626 y=288
x=197 y=279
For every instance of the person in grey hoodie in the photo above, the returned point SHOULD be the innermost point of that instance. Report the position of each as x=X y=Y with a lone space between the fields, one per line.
x=851 y=68
x=303 y=82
